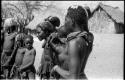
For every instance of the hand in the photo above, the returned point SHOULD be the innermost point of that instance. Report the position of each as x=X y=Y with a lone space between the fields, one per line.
x=53 y=71
x=16 y=46
x=38 y=72
x=53 y=36
x=23 y=74
x=19 y=69
x=54 y=68
x=3 y=66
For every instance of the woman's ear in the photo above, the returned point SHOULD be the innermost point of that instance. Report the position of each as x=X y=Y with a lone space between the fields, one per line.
x=73 y=22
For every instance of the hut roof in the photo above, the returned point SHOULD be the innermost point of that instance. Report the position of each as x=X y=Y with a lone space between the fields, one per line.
x=115 y=13
x=40 y=17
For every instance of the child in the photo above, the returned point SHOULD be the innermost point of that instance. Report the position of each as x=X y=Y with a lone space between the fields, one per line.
x=18 y=56
x=8 y=45
x=27 y=67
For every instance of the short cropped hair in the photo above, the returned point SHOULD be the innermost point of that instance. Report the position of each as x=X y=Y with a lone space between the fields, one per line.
x=78 y=14
x=29 y=37
x=46 y=26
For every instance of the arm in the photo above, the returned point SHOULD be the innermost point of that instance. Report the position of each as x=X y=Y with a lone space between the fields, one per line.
x=12 y=58
x=13 y=55
x=32 y=59
x=74 y=61
x=58 y=48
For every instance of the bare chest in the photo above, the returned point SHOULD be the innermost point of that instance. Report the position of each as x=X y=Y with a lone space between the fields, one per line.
x=63 y=56
x=27 y=54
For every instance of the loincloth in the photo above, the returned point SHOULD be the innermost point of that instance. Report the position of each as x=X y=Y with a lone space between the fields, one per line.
x=5 y=56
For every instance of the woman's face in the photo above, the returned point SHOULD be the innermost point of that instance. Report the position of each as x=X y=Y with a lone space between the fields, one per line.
x=41 y=34
x=68 y=23
x=67 y=27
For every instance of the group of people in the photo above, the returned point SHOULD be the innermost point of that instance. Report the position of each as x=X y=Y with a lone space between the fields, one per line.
x=66 y=48
x=17 y=52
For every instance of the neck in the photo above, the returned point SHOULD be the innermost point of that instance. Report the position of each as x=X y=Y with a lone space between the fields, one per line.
x=29 y=48
x=76 y=28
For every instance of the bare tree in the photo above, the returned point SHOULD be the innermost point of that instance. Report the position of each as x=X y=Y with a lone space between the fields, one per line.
x=22 y=11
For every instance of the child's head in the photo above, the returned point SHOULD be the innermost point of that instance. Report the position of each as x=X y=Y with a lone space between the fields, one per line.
x=20 y=40
x=10 y=25
x=29 y=41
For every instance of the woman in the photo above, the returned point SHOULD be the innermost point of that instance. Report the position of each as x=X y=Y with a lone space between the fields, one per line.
x=44 y=30
x=74 y=54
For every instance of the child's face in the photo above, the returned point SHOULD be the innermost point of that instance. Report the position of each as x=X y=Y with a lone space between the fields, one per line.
x=18 y=43
x=28 y=43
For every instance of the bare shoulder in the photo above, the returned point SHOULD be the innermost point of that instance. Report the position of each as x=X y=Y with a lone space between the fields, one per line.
x=22 y=49
x=78 y=41
x=33 y=51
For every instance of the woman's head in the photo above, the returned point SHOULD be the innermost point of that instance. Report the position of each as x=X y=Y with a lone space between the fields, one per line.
x=77 y=16
x=54 y=20
x=44 y=29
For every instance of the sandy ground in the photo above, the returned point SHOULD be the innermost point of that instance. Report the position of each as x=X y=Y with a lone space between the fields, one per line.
x=105 y=61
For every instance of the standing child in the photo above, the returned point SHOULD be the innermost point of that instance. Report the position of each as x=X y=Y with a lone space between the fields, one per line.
x=18 y=56
x=8 y=45
x=27 y=68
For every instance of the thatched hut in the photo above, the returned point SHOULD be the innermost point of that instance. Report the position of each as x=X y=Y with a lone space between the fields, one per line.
x=106 y=19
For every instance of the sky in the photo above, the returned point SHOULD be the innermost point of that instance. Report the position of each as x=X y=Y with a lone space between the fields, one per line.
x=92 y=4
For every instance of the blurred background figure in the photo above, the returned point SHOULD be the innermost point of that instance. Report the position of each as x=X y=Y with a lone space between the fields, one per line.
x=10 y=33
